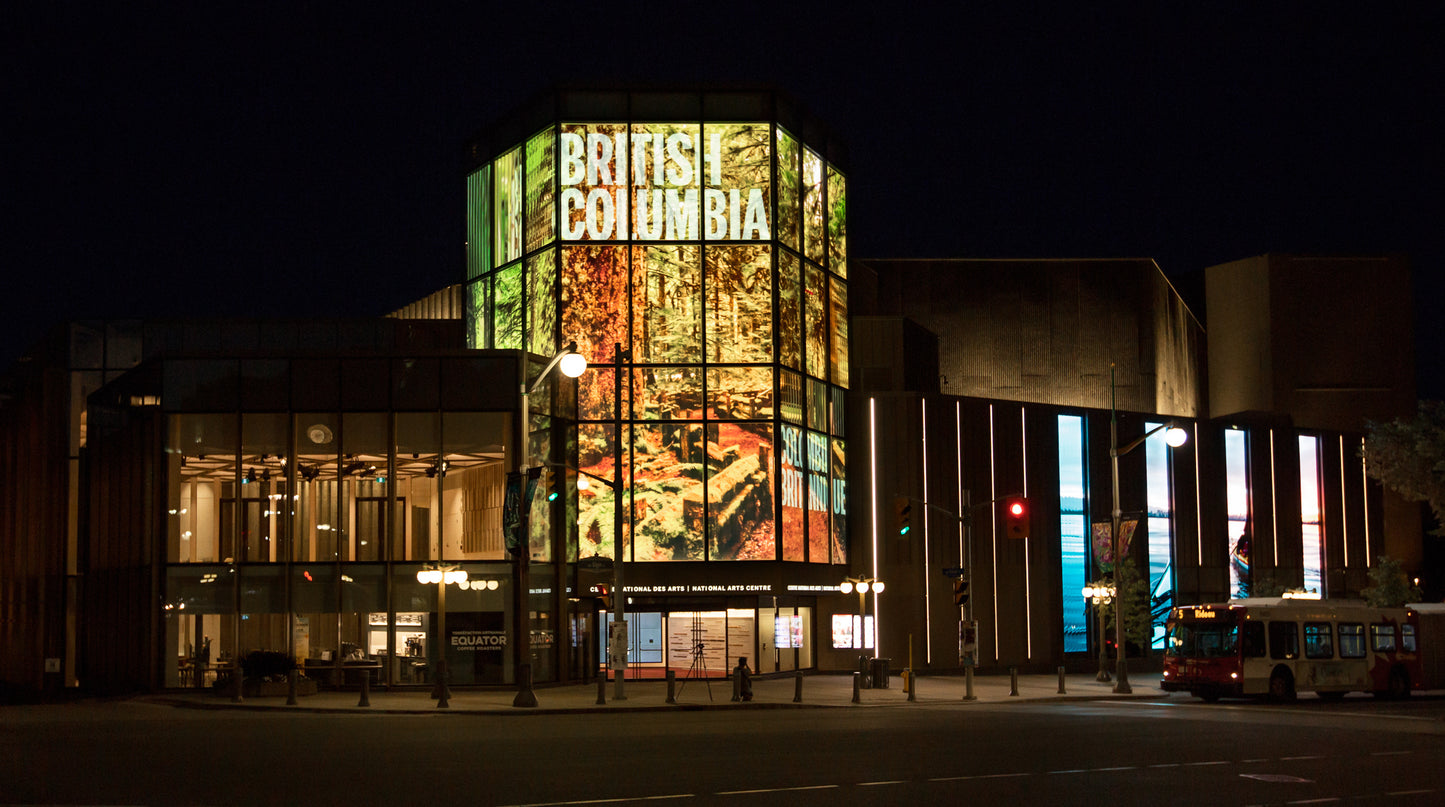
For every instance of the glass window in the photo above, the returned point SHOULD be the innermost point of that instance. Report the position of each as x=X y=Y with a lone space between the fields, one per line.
x=1157 y=455
x=592 y=171
x=666 y=164
x=740 y=393
x=474 y=486
x=838 y=357
x=264 y=467
x=596 y=527
x=739 y=304
x=1236 y=474
x=1073 y=520
x=479 y=220
x=1319 y=643
x=507 y=207
x=738 y=186
x=541 y=188
x=201 y=454
x=507 y=321
x=789 y=184
x=1382 y=638
x=314 y=519
x=479 y=314
x=1312 y=548
x=1283 y=640
x=818 y=469
x=365 y=486
x=667 y=491
x=813 y=247
x=542 y=302
x=594 y=301
x=792 y=475
x=837 y=223
x=669 y=393
x=1352 y=640
x=791 y=392
x=667 y=296
x=739 y=496
x=1407 y=638
x=790 y=310
x=839 y=546
x=815 y=311
x=1253 y=643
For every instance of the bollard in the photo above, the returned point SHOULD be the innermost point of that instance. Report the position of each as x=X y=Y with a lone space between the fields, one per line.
x=236 y=681
x=602 y=689
x=442 y=693
x=1062 y=690
x=1013 y=682
x=968 y=684
x=526 y=698
x=912 y=686
x=671 y=687
x=737 y=686
x=798 y=687
x=857 y=683
x=365 y=700
x=291 y=687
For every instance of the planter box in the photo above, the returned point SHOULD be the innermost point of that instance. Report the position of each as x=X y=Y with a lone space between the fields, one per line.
x=277 y=689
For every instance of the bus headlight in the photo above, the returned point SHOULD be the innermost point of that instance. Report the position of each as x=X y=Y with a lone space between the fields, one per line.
x=1234 y=675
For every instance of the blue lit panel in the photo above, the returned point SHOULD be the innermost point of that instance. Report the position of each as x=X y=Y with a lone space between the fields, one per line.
x=1160 y=498
x=1236 y=483
x=1312 y=550
x=1073 y=544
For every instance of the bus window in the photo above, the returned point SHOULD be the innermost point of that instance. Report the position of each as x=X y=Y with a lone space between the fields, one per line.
x=1352 y=640
x=1253 y=640
x=1283 y=640
x=1382 y=638
x=1318 y=642
x=1407 y=638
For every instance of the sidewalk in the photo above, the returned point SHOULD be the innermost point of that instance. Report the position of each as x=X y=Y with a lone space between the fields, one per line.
x=818 y=691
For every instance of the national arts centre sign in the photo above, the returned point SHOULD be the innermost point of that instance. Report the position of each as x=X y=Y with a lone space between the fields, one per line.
x=681 y=186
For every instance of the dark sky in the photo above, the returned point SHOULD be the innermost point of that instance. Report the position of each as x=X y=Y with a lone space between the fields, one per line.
x=304 y=159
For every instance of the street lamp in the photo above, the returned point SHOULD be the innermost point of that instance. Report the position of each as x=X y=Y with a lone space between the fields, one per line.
x=572 y=364
x=863 y=585
x=1175 y=437
x=443 y=576
x=1100 y=596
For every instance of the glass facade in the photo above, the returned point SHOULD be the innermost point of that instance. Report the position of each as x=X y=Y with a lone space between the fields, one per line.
x=1159 y=486
x=1236 y=485
x=710 y=258
x=1312 y=546
x=1073 y=532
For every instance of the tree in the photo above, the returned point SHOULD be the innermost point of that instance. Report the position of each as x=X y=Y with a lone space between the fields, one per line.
x=1389 y=586
x=1408 y=457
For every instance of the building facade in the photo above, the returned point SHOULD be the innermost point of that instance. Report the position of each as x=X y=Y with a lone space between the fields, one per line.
x=754 y=402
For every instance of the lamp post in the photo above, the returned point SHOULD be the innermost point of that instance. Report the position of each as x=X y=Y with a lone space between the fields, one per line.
x=443 y=576
x=863 y=585
x=1100 y=596
x=572 y=364
x=1175 y=437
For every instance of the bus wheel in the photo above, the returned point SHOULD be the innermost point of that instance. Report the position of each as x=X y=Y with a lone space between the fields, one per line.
x=1281 y=686
x=1208 y=695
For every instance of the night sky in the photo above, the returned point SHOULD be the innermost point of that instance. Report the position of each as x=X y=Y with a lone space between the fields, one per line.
x=305 y=159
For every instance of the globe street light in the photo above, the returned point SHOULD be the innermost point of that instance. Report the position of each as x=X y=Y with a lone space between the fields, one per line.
x=863 y=585
x=572 y=364
x=1174 y=437
x=442 y=576
x=1100 y=596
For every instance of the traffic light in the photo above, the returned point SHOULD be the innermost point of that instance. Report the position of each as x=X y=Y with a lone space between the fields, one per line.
x=557 y=479
x=1016 y=517
x=604 y=596
x=902 y=514
x=960 y=591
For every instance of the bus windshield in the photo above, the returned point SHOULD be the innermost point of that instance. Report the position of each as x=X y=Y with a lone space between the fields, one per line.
x=1202 y=640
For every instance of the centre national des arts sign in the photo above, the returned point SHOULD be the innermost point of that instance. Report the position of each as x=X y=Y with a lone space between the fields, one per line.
x=715 y=254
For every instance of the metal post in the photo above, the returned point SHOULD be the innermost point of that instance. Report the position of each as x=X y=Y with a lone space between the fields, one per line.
x=968 y=684
x=619 y=597
x=857 y=684
x=798 y=687
x=365 y=700
x=440 y=690
x=1120 y=647
x=1062 y=690
x=602 y=690
x=1103 y=675
x=671 y=687
x=1013 y=682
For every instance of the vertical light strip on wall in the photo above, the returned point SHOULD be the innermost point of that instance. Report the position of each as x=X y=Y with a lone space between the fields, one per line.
x=1028 y=582
x=1312 y=548
x=963 y=560
x=873 y=506
x=993 y=533
x=1344 y=507
x=927 y=573
x=1365 y=489
x=1273 y=504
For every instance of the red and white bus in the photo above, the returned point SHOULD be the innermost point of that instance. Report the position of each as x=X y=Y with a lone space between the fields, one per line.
x=1276 y=647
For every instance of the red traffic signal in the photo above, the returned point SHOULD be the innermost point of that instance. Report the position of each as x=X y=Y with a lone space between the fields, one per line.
x=604 y=596
x=1016 y=516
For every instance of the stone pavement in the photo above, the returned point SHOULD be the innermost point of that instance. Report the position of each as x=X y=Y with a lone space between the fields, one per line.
x=818 y=691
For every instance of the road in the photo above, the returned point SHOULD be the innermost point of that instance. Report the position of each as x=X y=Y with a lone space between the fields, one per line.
x=133 y=752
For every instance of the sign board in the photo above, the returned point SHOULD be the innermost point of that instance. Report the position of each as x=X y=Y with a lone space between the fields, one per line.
x=968 y=643
x=953 y=571
x=52 y=665
x=596 y=563
x=512 y=510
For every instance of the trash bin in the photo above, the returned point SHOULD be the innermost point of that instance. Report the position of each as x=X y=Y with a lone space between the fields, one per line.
x=880 y=673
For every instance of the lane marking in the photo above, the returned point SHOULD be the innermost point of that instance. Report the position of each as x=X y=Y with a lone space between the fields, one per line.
x=1215 y=762
x=604 y=801
x=1330 y=800
x=1119 y=768
x=888 y=782
x=1166 y=765
x=1294 y=759
x=1075 y=770
x=1390 y=753
x=774 y=790
x=1408 y=792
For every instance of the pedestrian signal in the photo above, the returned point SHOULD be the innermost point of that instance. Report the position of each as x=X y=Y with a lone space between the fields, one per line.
x=960 y=591
x=604 y=596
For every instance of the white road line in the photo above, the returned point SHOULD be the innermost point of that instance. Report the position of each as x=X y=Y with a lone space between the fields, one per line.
x=1390 y=753
x=1252 y=761
x=1119 y=768
x=1329 y=800
x=1075 y=770
x=1408 y=792
x=1215 y=762
x=1293 y=759
x=773 y=790
x=888 y=782
x=1166 y=765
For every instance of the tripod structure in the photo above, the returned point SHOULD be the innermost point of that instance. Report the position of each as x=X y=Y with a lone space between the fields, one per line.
x=699 y=660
